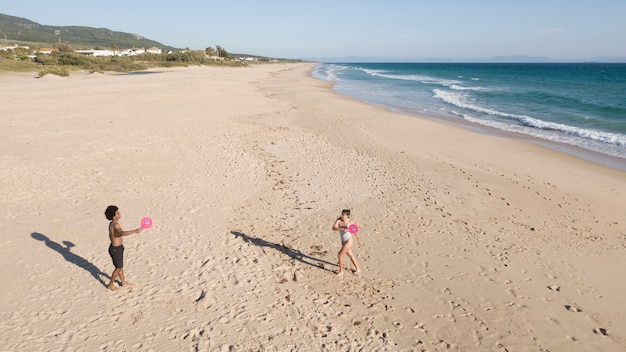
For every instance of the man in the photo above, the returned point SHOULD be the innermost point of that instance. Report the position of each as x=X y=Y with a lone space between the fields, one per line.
x=116 y=248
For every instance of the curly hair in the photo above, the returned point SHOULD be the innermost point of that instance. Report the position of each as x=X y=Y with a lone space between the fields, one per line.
x=110 y=212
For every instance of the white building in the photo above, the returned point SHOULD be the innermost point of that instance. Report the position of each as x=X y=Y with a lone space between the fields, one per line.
x=96 y=52
x=13 y=47
x=124 y=52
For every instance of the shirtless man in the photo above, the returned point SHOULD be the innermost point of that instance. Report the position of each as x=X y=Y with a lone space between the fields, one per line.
x=116 y=248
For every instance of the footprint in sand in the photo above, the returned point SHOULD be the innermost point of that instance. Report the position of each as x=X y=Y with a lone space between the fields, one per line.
x=573 y=309
x=555 y=288
x=572 y=338
x=601 y=331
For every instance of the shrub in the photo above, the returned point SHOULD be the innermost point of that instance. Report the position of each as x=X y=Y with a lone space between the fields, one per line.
x=7 y=54
x=59 y=71
x=46 y=59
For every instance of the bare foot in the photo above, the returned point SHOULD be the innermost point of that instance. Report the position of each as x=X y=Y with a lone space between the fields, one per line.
x=357 y=272
x=112 y=288
x=339 y=273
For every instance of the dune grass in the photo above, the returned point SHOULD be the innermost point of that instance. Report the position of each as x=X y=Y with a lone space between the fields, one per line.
x=9 y=65
x=62 y=64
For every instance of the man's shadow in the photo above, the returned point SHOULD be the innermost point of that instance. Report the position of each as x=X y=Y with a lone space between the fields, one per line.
x=75 y=259
x=292 y=253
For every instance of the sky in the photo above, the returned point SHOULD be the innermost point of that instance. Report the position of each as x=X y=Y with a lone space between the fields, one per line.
x=395 y=29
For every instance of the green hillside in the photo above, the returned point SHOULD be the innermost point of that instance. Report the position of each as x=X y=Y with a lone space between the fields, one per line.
x=21 y=30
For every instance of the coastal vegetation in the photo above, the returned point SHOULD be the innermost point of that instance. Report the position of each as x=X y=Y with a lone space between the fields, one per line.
x=61 y=50
x=64 y=59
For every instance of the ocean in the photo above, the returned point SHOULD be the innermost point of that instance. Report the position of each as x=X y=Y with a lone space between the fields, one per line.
x=580 y=105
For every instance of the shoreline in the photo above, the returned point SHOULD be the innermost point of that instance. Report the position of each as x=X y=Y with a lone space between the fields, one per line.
x=243 y=171
x=610 y=161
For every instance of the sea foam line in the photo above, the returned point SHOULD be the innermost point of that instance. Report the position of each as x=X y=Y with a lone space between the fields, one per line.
x=453 y=84
x=477 y=89
x=456 y=99
x=415 y=78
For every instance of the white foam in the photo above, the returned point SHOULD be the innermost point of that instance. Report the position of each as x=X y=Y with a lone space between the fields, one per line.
x=476 y=89
x=457 y=99
x=415 y=78
x=459 y=95
x=549 y=135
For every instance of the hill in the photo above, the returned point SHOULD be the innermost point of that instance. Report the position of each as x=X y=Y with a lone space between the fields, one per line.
x=21 y=30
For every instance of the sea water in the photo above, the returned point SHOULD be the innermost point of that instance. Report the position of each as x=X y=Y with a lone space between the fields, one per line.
x=581 y=105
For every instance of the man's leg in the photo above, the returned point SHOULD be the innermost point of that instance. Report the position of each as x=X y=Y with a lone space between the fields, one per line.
x=111 y=285
x=123 y=279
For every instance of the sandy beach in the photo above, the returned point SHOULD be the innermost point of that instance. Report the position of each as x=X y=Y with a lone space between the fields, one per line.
x=471 y=242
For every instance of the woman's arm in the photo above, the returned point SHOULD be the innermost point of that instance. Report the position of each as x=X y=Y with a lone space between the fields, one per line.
x=336 y=226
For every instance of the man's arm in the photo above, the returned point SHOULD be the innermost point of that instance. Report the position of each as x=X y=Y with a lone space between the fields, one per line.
x=119 y=232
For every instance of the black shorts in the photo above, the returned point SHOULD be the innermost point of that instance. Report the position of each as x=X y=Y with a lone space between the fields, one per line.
x=117 y=254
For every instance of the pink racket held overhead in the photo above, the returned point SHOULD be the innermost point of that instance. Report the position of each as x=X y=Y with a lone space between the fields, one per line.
x=353 y=229
x=146 y=223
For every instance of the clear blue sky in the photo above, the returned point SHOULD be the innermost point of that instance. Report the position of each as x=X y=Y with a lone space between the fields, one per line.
x=460 y=29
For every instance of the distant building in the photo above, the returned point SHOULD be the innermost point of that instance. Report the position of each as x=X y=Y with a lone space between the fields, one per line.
x=132 y=51
x=96 y=52
x=107 y=52
x=13 y=47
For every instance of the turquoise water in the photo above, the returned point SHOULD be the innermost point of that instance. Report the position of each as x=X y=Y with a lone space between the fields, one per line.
x=581 y=105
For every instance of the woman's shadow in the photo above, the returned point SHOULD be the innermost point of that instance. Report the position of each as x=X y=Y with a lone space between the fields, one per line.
x=293 y=253
x=75 y=259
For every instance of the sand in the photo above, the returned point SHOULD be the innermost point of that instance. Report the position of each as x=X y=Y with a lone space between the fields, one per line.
x=471 y=242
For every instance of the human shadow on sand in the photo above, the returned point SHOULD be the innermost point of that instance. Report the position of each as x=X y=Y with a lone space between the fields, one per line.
x=71 y=257
x=292 y=253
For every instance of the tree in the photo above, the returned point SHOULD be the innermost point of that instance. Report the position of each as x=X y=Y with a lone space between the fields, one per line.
x=64 y=48
x=221 y=52
x=209 y=51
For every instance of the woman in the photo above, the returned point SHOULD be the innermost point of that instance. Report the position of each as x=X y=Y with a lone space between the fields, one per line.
x=341 y=224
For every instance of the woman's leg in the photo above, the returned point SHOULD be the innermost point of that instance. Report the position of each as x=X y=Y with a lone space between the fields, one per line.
x=345 y=247
x=353 y=259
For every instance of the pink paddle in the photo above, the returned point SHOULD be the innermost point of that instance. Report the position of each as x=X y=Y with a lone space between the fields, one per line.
x=146 y=223
x=353 y=229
